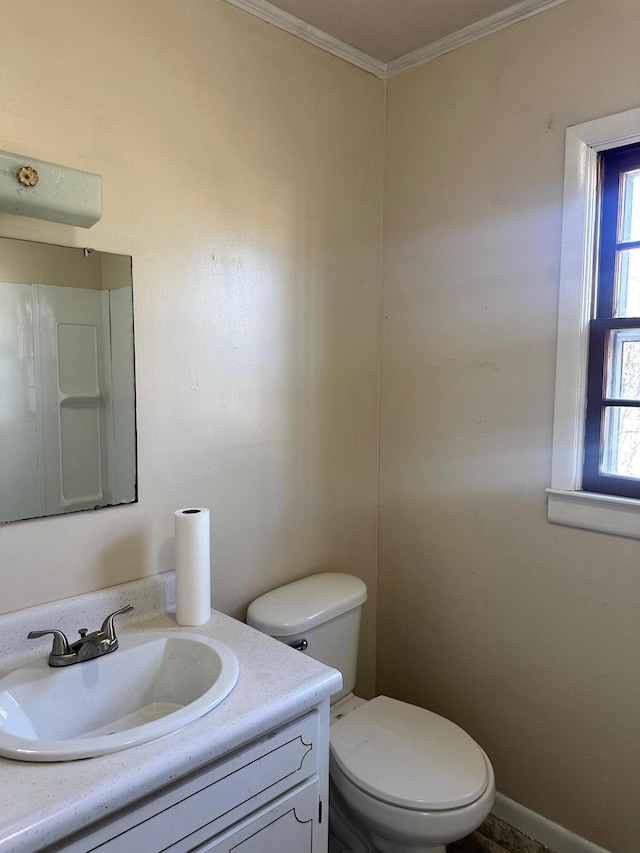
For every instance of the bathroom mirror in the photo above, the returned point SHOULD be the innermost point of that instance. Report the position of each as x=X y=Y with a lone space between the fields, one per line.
x=67 y=387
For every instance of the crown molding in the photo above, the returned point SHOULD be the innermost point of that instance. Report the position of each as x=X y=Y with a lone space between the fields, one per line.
x=384 y=70
x=513 y=15
x=290 y=24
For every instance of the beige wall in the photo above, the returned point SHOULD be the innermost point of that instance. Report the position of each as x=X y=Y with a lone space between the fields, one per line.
x=241 y=170
x=525 y=633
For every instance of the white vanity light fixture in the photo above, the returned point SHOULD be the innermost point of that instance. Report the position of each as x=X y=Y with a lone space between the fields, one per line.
x=44 y=190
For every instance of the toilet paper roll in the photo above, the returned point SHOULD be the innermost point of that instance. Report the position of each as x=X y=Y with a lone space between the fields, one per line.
x=193 y=566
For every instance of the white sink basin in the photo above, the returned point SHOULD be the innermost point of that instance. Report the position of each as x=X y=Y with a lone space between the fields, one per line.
x=152 y=685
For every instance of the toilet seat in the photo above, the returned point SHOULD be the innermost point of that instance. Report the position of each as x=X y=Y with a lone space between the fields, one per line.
x=408 y=756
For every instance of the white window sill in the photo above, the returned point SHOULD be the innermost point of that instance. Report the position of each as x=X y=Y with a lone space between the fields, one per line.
x=603 y=513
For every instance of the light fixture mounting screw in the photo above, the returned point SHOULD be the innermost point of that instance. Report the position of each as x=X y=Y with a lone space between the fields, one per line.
x=28 y=176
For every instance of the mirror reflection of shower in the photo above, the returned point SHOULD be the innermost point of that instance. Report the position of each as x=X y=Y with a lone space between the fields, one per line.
x=67 y=390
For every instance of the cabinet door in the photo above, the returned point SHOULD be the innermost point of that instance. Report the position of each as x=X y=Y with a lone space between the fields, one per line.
x=288 y=826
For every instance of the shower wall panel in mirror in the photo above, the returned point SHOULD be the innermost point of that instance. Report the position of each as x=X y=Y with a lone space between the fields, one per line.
x=67 y=387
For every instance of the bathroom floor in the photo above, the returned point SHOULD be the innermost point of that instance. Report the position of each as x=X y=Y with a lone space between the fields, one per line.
x=495 y=836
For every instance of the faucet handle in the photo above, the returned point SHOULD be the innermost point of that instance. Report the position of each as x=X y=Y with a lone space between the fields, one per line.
x=108 y=627
x=60 y=642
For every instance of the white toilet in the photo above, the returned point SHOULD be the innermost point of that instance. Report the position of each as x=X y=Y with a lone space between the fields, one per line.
x=403 y=780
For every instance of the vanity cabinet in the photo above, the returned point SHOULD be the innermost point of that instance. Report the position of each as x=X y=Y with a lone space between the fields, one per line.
x=267 y=796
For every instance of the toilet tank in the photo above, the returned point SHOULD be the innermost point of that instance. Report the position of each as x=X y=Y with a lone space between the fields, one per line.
x=324 y=610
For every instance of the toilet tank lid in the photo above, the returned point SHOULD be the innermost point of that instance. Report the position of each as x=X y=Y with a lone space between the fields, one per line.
x=303 y=604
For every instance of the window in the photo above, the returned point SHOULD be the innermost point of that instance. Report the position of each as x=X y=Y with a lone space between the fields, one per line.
x=612 y=429
x=595 y=481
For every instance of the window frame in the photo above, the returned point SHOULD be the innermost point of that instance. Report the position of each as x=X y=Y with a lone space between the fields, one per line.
x=605 y=322
x=568 y=503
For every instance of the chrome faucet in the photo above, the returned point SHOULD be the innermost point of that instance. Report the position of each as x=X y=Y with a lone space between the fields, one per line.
x=89 y=646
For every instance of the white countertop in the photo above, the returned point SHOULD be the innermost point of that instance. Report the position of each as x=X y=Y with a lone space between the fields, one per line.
x=42 y=803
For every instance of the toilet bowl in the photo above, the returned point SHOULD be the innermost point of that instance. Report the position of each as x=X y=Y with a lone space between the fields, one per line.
x=403 y=779
x=412 y=779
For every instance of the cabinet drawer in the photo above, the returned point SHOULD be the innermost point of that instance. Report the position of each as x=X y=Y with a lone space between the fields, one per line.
x=287 y=826
x=210 y=801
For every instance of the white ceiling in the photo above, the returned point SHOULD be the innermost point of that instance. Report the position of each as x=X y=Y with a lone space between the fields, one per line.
x=380 y=35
